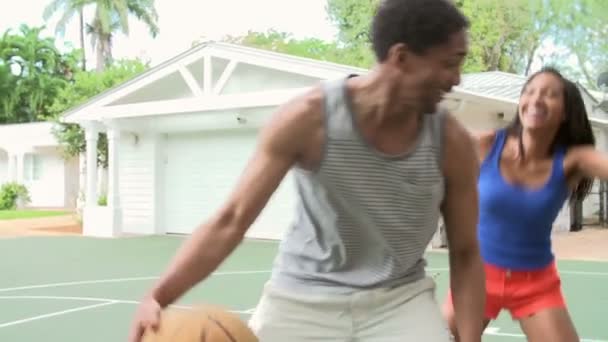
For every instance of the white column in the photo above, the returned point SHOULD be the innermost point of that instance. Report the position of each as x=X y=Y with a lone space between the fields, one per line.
x=82 y=181
x=113 y=174
x=91 y=136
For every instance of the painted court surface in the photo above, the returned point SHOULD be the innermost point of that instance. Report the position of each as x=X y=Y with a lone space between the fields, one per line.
x=58 y=289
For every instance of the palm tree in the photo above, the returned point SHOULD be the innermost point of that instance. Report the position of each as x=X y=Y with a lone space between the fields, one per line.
x=70 y=8
x=34 y=70
x=110 y=16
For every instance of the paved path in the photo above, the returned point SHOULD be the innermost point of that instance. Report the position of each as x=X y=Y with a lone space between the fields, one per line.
x=589 y=244
x=52 y=225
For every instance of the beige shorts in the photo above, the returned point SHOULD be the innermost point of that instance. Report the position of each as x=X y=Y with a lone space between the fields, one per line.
x=406 y=313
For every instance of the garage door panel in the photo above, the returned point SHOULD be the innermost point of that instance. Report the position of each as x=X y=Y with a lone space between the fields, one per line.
x=201 y=170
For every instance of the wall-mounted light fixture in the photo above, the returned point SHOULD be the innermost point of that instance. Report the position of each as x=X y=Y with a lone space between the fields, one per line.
x=240 y=119
x=135 y=138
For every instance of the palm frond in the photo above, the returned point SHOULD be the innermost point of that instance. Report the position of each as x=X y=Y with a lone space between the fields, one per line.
x=52 y=8
x=146 y=14
x=103 y=15
x=121 y=11
x=65 y=19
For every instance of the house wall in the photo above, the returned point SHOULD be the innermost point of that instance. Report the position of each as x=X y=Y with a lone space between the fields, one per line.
x=54 y=186
x=52 y=178
x=482 y=116
x=49 y=189
x=71 y=181
x=137 y=182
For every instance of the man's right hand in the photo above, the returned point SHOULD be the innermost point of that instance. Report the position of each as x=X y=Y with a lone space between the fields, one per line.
x=146 y=317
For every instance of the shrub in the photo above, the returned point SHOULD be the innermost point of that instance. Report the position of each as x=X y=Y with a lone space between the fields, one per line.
x=11 y=194
x=102 y=201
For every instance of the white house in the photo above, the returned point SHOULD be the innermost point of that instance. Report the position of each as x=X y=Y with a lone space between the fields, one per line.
x=30 y=155
x=180 y=134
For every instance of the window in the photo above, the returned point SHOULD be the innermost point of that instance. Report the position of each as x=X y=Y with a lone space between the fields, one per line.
x=32 y=167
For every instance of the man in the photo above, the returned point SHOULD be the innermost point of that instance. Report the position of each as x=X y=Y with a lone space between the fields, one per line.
x=375 y=164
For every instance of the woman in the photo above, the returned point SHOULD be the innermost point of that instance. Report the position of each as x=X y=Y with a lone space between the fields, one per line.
x=528 y=170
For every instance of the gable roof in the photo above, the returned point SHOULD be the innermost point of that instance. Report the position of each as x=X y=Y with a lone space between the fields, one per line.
x=495 y=84
x=507 y=86
x=489 y=86
x=264 y=58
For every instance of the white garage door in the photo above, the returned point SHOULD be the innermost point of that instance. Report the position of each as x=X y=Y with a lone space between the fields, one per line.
x=201 y=170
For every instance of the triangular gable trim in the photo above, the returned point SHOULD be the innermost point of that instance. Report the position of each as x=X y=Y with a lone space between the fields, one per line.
x=234 y=53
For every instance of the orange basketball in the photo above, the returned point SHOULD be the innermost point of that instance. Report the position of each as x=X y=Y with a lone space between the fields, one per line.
x=200 y=324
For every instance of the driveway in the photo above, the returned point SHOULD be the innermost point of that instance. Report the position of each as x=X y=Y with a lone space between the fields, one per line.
x=53 y=225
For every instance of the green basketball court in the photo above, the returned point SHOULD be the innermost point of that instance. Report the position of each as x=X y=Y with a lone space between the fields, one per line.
x=58 y=289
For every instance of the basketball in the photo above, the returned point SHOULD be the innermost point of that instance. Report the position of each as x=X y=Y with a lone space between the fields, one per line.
x=200 y=324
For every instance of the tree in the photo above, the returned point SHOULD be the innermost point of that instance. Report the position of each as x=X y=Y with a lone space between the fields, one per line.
x=580 y=28
x=499 y=34
x=32 y=72
x=69 y=9
x=284 y=42
x=110 y=17
x=353 y=19
x=506 y=35
x=502 y=36
x=87 y=84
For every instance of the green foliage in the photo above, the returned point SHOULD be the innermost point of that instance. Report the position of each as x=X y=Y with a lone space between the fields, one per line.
x=29 y=214
x=102 y=201
x=353 y=19
x=87 y=84
x=110 y=17
x=505 y=35
x=580 y=29
x=11 y=193
x=501 y=35
x=32 y=72
x=309 y=47
x=511 y=35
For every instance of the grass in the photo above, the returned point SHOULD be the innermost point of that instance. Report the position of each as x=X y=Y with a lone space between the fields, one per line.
x=25 y=214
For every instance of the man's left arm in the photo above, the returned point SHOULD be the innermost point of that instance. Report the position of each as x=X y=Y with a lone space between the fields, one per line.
x=460 y=211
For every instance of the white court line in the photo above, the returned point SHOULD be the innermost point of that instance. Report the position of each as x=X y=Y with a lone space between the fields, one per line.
x=104 y=302
x=119 y=280
x=494 y=331
x=71 y=283
x=52 y=314
x=112 y=280
x=84 y=299
x=107 y=300
x=559 y=271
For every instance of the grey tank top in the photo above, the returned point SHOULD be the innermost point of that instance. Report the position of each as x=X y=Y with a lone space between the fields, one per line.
x=363 y=218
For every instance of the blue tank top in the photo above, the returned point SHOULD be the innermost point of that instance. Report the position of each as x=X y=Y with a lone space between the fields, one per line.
x=515 y=223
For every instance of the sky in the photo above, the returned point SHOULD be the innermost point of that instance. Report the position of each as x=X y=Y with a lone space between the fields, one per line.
x=183 y=21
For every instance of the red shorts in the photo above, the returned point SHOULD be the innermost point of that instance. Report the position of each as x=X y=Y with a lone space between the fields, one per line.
x=523 y=293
